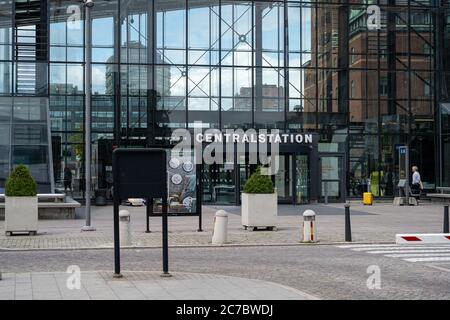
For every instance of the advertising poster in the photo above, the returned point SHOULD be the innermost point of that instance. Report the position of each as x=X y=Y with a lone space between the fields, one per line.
x=182 y=183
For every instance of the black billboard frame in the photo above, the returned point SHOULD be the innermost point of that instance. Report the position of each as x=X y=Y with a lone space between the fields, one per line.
x=150 y=186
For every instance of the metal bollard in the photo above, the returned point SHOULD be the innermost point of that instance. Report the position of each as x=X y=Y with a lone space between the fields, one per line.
x=220 y=232
x=446 y=220
x=309 y=226
x=125 y=228
x=348 y=227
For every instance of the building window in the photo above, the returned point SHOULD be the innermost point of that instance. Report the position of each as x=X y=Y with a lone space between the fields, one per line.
x=426 y=49
x=352 y=55
x=328 y=17
x=427 y=88
x=352 y=89
x=383 y=90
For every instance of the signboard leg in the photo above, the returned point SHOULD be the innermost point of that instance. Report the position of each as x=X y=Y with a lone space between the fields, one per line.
x=200 y=221
x=407 y=175
x=199 y=195
x=116 y=241
x=165 y=239
x=149 y=211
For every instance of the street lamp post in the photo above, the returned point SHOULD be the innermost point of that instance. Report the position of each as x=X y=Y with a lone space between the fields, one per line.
x=88 y=5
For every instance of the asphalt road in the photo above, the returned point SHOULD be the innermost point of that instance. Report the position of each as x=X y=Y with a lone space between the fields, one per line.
x=325 y=271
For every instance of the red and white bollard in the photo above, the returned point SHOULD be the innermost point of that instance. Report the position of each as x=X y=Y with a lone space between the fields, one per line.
x=309 y=226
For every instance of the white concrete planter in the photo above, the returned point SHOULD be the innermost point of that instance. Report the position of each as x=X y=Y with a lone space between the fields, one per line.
x=259 y=210
x=21 y=214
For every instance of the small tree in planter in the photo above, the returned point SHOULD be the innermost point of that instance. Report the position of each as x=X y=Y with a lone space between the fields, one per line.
x=21 y=203
x=259 y=202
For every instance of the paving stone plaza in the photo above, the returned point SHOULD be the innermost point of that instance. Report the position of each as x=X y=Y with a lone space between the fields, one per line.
x=377 y=223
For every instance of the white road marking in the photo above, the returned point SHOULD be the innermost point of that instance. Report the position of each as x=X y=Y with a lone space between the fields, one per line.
x=409 y=253
x=350 y=246
x=417 y=255
x=427 y=259
x=401 y=248
x=439 y=267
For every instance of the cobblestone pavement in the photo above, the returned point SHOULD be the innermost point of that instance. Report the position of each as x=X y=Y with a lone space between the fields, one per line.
x=141 y=286
x=378 y=223
x=326 y=271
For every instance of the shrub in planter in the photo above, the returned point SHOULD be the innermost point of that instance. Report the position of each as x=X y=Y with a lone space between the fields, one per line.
x=259 y=202
x=258 y=183
x=21 y=205
x=20 y=183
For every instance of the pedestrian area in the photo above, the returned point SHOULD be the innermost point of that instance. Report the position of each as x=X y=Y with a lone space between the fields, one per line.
x=140 y=286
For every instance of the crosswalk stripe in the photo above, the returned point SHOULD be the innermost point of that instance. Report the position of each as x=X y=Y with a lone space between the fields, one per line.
x=431 y=259
x=401 y=248
x=409 y=251
x=404 y=255
x=347 y=246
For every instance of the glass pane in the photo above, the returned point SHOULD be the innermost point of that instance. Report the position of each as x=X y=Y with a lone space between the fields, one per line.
x=103 y=32
x=219 y=183
x=29 y=110
x=283 y=178
x=5 y=110
x=36 y=158
x=330 y=168
x=331 y=177
x=4 y=139
x=26 y=134
x=303 y=179
x=331 y=189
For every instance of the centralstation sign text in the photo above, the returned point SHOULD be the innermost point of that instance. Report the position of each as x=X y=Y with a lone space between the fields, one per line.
x=254 y=138
x=213 y=146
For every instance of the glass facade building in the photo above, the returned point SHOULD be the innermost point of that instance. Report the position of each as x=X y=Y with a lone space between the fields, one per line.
x=297 y=66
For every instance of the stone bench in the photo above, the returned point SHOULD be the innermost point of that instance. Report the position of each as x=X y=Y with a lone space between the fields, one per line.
x=442 y=196
x=62 y=207
x=56 y=197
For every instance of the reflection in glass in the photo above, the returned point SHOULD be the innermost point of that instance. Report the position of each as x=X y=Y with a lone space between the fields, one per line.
x=231 y=64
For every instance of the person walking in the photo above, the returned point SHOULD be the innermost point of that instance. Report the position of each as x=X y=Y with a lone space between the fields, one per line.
x=416 y=185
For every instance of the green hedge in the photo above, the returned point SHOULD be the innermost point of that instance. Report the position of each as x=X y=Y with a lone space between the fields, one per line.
x=258 y=183
x=20 y=183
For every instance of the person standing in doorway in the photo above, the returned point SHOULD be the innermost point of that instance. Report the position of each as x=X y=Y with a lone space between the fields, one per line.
x=416 y=184
x=389 y=180
x=67 y=179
